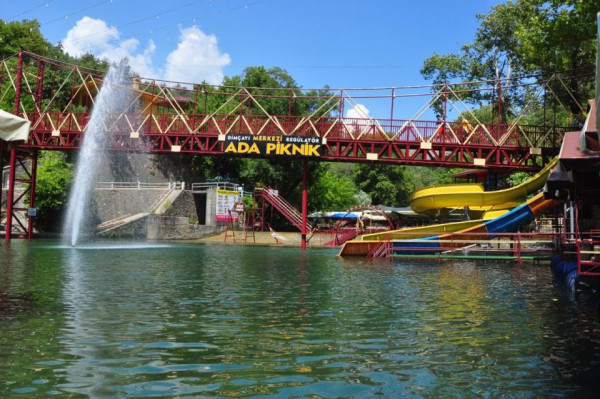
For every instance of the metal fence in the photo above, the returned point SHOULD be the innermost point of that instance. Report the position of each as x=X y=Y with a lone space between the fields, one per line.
x=126 y=185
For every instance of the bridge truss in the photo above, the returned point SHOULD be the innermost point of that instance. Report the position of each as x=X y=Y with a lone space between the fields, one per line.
x=167 y=117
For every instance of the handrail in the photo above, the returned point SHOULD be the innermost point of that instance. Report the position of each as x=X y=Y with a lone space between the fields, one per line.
x=380 y=251
x=136 y=185
x=215 y=185
x=283 y=206
x=588 y=257
x=517 y=245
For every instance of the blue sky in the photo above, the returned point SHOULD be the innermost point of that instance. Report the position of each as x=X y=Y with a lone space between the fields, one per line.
x=340 y=43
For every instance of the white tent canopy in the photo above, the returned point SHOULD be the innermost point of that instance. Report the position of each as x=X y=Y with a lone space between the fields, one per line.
x=13 y=128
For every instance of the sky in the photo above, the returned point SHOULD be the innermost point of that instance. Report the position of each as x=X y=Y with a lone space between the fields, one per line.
x=338 y=43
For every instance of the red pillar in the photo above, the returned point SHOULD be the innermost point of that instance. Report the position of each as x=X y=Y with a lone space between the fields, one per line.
x=304 y=201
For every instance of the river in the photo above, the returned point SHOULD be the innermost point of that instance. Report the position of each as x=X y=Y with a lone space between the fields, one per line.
x=127 y=320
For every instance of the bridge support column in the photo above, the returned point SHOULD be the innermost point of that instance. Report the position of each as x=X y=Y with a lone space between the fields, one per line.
x=19 y=215
x=304 y=201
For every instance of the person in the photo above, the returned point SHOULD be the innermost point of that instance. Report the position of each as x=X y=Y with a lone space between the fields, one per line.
x=466 y=128
x=579 y=121
x=278 y=237
x=440 y=125
x=360 y=225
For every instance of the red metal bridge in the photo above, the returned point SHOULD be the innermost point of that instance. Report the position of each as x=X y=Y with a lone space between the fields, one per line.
x=165 y=117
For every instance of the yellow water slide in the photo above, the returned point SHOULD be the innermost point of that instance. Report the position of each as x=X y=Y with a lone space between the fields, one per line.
x=435 y=200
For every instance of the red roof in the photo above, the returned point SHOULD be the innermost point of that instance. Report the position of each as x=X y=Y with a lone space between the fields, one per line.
x=572 y=155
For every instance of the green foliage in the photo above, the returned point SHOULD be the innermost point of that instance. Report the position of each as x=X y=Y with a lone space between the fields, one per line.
x=54 y=175
x=210 y=167
x=386 y=184
x=523 y=37
x=249 y=203
x=333 y=193
x=24 y=35
x=392 y=185
x=517 y=178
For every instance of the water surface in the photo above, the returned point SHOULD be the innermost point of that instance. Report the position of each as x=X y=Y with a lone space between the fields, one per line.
x=161 y=320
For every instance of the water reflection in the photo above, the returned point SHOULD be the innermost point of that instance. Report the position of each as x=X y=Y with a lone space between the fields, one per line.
x=172 y=321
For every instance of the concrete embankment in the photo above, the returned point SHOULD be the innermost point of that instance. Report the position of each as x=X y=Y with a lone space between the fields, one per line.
x=155 y=214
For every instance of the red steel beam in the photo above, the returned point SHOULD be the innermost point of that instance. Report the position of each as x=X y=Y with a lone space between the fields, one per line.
x=347 y=150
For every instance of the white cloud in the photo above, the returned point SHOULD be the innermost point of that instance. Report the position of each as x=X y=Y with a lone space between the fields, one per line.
x=93 y=36
x=358 y=111
x=361 y=113
x=89 y=35
x=197 y=58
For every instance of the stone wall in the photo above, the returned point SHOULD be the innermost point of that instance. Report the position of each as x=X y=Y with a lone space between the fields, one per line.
x=184 y=206
x=178 y=228
x=180 y=222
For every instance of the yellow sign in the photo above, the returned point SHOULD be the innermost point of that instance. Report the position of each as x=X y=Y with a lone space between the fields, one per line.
x=273 y=145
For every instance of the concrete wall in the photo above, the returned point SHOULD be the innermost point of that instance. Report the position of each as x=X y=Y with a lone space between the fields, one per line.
x=178 y=228
x=211 y=207
x=111 y=204
x=138 y=229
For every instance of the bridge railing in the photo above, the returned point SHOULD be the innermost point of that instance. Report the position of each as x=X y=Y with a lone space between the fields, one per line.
x=358 y=129
x=132 y=185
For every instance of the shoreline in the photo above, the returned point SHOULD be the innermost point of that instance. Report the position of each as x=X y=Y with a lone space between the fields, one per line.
x=287 y=239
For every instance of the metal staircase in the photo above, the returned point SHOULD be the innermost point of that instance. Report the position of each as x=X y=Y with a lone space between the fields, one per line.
x=382 y=250
x=271 y=196
x=347 y=234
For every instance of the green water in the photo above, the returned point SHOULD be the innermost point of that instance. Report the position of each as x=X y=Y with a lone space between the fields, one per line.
x=191 y=321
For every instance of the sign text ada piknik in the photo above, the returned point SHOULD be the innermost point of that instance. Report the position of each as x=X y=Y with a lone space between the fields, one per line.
x=273 y=145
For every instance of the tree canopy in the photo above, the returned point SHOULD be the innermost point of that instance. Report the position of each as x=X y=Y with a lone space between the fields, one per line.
x=523 y=38
x=24 y=35
x=54 y=176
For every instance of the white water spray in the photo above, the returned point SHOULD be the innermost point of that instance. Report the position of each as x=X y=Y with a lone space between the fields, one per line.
x=113 y=99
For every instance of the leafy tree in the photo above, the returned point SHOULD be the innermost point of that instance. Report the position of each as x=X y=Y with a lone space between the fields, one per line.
x=333 y=193
x=517 y=178
x=392 y=185
x=386 y=184
x=522 y=38
x=54 y=175
x=24 y=35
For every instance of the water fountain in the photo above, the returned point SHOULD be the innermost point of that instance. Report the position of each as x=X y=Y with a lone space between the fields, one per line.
x=114 y=97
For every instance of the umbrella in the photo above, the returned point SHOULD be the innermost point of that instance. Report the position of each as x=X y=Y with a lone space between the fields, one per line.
x=340 y=215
